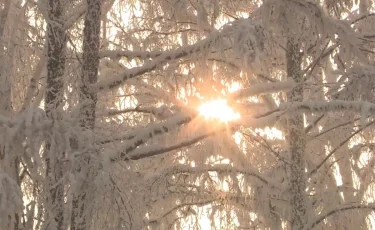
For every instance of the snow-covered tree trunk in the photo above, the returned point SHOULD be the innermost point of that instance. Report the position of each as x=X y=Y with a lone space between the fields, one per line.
x=56 y=55
x=91 y=45
x=5 y=88
x=88 y=98
x=8 y=156
x=296 y=139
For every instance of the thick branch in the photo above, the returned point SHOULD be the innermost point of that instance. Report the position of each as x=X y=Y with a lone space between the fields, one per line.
x=151 y=151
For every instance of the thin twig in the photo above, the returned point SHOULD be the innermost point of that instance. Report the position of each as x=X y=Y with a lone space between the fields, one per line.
x=338 y=147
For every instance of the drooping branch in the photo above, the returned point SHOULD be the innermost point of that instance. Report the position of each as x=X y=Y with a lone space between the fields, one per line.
x=156 y=220
x=327 y=214
x=336 y=148
x=222 y=169
x=155 y=150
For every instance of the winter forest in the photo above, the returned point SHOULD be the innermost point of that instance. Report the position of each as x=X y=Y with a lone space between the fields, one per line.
x=187 y=114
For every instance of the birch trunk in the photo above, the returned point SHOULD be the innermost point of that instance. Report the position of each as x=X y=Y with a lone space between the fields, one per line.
x=296 y=139
x=88 y=99
x=56 y=55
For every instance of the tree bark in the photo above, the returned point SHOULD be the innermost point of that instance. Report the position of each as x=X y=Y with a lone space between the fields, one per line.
x=56 y=55
x=296 y=138
x=91 y=45
x=9 y=157
x=88 y=100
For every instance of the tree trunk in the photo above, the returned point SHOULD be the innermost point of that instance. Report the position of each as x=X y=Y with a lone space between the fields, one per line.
x=5 y=89
x=56 y=43
x=8 y=156
x=91 y=45
x=296 y=138
x=88 y=100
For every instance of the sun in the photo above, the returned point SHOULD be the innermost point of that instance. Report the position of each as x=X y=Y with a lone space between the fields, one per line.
x=218 y=109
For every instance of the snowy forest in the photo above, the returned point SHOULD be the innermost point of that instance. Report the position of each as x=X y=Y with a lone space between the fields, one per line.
x=187 y=114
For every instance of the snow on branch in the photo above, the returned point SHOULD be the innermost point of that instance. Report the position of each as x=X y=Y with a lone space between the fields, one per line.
x=260 y=121
x=114 y=112
x=140 y=136
x=78 y=11
x=219 y=168
x=329 y=106
x=159 y=128
x=133 y=153
x=225 y=169
x=263 y=89
x=164 y=58
x=156 y=220
x=329 y=213
x=338 y=147
x=161 y=113
x=130 y=54
x=154 y=150
x=362 y=107
x=143 y=135
x=325 y=25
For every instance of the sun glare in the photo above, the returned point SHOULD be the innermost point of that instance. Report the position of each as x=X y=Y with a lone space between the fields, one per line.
x=218 y=109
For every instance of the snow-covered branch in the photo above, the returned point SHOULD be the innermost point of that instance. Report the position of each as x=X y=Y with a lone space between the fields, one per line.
x=114 y=81
x=144 y=152
x=259 y=89
x=140 y=136
x=256 y=179
x=131 y=54
x=78 y=12
x=156 y=220
x=161 y=113
x=329 y=213
x=151 y=130
x=330 y=106
x=164 y=58
x=260 y=121
x=154 y=150
x=221 y=169
x=338 y=147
